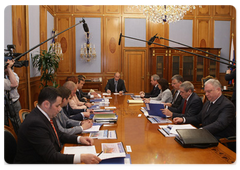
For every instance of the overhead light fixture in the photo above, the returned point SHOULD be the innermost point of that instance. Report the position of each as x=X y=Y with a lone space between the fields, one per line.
x=164 y=13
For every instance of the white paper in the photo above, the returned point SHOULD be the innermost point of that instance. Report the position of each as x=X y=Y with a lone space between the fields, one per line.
x=92 y=129
x=80 y=149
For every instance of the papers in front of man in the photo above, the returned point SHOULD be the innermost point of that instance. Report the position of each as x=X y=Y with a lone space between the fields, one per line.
x=105 y=118
x=170 y=130
x=104 y=134
x=79 y=149
x=112 y=150
x=157 y=119
x=94 y=128
x=135 y=101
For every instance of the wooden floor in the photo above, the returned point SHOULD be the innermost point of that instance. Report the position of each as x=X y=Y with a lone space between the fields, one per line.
x=149 y=146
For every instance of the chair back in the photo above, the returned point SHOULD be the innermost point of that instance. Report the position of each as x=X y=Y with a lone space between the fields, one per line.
x=204 y=79
x=23 y=114
x=10 y=144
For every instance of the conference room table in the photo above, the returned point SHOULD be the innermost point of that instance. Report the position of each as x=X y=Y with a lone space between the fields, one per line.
x=148 y=145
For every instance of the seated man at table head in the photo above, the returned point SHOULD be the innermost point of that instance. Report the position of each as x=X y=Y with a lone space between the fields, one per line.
x=155 y=91
x=218 y=114
x=190 y=106
x=75 y=109
x=164 y=96
x=39 y=139
x=115 y=85
x=65 y=124
x=177 y=80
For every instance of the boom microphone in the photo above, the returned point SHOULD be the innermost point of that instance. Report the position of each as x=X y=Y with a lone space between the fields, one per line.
x=85 y=26
x=152 y=40
x=120 y=38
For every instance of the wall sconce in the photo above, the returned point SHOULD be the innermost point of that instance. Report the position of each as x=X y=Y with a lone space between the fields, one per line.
x=56 y=46
x=88 y=51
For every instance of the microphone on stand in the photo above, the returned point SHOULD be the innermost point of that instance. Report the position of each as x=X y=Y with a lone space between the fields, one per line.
x=120 y=38
x=152 y=40
x=85 y=26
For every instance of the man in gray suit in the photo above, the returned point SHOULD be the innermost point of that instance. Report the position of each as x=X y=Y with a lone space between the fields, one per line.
x=65 y=124
x=217 y=115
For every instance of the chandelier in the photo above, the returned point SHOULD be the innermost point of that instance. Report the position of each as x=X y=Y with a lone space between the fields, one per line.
x=164 y=13
x=88 y=51
x=56 y=46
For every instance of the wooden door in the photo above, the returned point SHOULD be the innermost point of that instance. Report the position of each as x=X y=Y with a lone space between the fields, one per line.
x=134 y=70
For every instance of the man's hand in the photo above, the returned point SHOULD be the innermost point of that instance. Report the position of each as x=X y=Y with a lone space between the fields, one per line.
x=86 y=124
x=88 y=104
x=177 y=120
x=10 y=63
x=90 y=159
x=146 y=100
x=108 y=91
x=167 y=112
x=167 y=104
x=86 y=140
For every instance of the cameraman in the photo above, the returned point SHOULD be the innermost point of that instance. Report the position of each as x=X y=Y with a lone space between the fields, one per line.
x=11 y=81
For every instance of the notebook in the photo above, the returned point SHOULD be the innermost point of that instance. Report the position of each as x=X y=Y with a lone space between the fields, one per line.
x=195 y=138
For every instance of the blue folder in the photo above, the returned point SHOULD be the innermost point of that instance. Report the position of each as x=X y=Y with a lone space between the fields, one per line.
x=116 y=160
x=154 y=109
x=97 y=100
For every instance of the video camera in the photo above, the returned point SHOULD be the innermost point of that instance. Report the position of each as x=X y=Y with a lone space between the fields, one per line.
x=9 y=55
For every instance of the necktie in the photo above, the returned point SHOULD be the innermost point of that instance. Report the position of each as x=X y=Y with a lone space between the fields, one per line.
x=175 y=96
x=184 y=106
x=210 y=104
x=116 y=86
x=51 y=121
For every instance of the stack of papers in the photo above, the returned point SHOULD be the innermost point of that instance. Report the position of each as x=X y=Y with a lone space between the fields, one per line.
x=105 y=118
x=104 y=134
x=157 y=119
x=170 y=130
x=135 y=101
x=112 y=150
x=94 y=128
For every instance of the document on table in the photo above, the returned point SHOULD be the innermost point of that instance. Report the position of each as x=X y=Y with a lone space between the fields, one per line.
x=79 y=149
x=170 y=130
x=92 y=129
x=112 y=150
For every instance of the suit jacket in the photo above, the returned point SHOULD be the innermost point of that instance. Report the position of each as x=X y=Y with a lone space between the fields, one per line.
x=178 y=101
x=229 y=77
x=120 y=86
x=163 y=97
x=220 y=120
x=154 y=93
x=37 y=142
x=193 y=107
x=67 y=125
x=74 y=114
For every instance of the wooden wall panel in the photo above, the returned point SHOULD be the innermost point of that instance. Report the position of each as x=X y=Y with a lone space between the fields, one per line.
x=65 y=65
x=112 y=9
x=64 y=9
x=222 y=10
x=88 y=9
x=112 y=51
x=204 y=11
x=204 y=33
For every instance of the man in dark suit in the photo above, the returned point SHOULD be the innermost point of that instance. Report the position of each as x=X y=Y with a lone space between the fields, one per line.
x=217 y=115
x=190 y=106
x=39 y=139
x=177 y=80
x=115 y=85
x=155 y=91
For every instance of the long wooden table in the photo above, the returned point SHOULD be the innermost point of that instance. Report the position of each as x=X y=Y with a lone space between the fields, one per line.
x=149 y=146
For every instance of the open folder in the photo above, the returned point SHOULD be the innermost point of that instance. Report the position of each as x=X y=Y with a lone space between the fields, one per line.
x=154 y=109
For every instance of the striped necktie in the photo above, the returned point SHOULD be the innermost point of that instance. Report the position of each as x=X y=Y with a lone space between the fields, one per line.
x=51 y=121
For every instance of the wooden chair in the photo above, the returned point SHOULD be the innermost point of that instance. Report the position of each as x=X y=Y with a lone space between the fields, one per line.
x=229 y=142
x=204 y=79
x=23 y=114
x=10 y=144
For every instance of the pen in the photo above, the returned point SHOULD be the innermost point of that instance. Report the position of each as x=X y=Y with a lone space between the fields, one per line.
x=99 y=154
